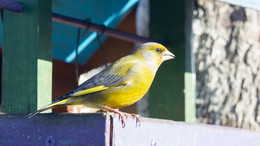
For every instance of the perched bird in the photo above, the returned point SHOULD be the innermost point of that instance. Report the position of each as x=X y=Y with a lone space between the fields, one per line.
x=119 y=85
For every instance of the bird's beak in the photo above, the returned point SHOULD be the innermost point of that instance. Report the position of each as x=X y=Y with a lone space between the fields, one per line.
x=167 y=55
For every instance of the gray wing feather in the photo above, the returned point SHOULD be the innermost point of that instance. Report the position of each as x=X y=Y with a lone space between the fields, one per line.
x=102 y=78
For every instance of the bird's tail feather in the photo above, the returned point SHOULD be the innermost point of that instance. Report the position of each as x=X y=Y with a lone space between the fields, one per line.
x=62 y=102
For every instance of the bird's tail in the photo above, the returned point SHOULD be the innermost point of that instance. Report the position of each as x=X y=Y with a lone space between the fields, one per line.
x=54 y=104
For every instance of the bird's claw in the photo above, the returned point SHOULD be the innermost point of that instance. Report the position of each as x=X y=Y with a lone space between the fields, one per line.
x=122 y=116
x=138 y=118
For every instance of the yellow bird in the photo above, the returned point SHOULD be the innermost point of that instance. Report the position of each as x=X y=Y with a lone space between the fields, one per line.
x=119 y=85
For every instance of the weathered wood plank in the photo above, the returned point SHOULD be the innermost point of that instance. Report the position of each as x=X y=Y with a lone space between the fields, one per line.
x=55 y=129
x=27 y=67
x=103 y=129
x=164 y=132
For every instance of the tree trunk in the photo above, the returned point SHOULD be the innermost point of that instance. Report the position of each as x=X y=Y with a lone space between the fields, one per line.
x=227 y=54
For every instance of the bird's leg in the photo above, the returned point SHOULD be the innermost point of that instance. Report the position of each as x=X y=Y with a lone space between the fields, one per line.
x=121 y=114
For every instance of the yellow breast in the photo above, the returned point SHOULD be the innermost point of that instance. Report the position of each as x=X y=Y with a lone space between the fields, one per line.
x=125 y=95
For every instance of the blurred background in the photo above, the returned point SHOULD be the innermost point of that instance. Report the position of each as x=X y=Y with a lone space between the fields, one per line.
x=226 y=47
x=214 y=78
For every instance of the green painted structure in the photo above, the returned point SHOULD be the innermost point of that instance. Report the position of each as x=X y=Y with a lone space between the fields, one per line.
x=172 y=95
x=27 y=66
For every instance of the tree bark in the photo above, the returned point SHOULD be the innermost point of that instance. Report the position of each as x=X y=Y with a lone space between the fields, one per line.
x=227 y=54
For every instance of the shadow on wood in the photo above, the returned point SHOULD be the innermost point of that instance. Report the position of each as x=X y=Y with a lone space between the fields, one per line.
x=54 y=129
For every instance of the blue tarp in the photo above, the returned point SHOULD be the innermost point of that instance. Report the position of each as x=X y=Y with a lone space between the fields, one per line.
x=106 y=12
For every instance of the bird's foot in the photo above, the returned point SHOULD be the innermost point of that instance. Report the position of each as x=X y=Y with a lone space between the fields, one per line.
x=122 y=115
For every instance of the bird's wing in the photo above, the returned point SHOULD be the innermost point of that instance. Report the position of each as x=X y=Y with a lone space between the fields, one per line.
x=110 y=77
x=99 y=82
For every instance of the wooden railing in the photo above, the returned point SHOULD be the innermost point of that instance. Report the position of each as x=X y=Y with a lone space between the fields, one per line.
x=104 y=129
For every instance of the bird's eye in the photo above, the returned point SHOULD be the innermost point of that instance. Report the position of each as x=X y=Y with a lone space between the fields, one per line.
x=158 y=50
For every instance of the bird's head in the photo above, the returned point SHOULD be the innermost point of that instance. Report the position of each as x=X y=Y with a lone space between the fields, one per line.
x=154 y=53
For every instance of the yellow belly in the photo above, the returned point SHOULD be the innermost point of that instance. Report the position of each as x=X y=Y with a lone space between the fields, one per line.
x=124 y=95
x=119 y=98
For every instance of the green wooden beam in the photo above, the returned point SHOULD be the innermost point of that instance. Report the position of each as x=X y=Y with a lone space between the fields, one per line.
x=167 y=92
x=190 y=75
x=172 y=95
x=27 y=67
